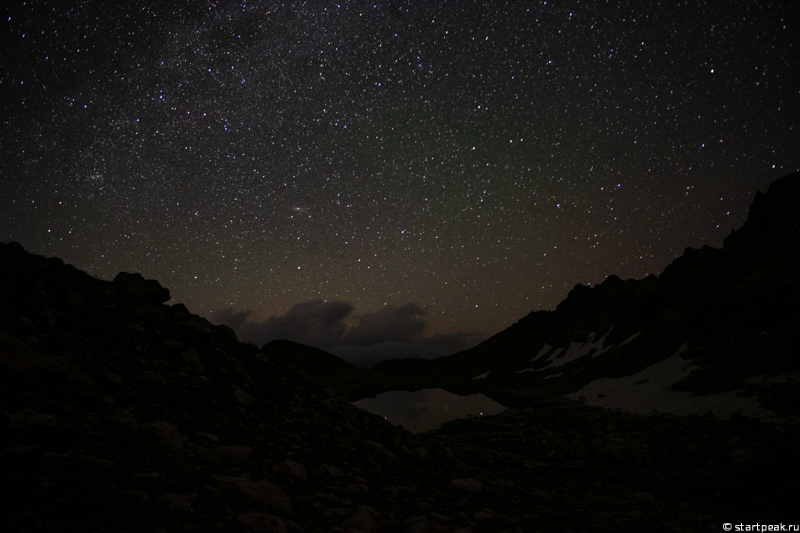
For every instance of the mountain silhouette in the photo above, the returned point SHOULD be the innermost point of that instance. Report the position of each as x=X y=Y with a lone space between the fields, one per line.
x=662 y=404
x=714 y=332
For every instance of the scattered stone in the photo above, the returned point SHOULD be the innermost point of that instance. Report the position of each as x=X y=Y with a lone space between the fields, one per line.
x=166 y=433
x=262 y=523
x=416 y=520
x=125 y=419
x=644 y=498
x=333 y=471
x=422 y=506
x=504 y=520
x=294 y=528
x=357 y=488
x=361 y=522
x=292 y=469
x=468 y=485
x=152 y=476
x=116 y=378
x=209 y=489
x=135 y=495
x=626 y=450
x=241 y=396
x=177 y=502
x=28 y=418
x=236 y=454
x=191 y=356
x=382 y=454
x=742 y=455
x=578 y=450
x=209 y=436
x=151 y=313
x=260 y=492
x=423 y=454
x=20 y=362
x=22 y=448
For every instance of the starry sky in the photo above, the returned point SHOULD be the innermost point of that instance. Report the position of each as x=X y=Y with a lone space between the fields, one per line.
x=387 y=178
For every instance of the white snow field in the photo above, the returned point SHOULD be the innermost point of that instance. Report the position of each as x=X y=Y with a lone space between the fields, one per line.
x=649 y=389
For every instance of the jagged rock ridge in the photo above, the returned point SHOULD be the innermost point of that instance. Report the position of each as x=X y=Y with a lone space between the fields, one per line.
x=721 y=322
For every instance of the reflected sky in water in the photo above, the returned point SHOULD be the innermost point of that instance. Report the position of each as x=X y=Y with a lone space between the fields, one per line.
x=427 y=409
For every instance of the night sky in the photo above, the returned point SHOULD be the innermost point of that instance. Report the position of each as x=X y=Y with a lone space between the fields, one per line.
x=388 y=177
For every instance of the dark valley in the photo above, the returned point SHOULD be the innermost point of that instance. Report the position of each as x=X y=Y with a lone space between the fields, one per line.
x=663 y=404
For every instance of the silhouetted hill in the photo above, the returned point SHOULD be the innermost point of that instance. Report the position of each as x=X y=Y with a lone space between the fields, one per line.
x=717 y=328
x=120 y=413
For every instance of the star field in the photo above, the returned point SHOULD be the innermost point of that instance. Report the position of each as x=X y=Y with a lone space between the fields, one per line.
x=474 y=159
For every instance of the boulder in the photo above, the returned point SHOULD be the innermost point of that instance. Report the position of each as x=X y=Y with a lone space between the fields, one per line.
x=467 y=484
x=23 y=364
x=167 y=434
x=177 y=502
x=361 y=522
x=146 y=289
x=262 y=523
x=241 y=396
x=236 y=454
x=292 y=469
x=125 y=419
x=261 y=493
x=197 y=324
x=381 y=453
x=333 y=471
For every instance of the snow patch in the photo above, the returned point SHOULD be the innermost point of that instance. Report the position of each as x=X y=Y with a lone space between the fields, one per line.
x=553 y=376
x=772 y=380
x=573 y=351
x=543 y=351
x=629 y=339
x=602 y=342
x=482 y=376
x=649 y=389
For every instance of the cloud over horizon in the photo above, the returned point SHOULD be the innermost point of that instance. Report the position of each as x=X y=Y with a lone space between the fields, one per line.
x=391 y=332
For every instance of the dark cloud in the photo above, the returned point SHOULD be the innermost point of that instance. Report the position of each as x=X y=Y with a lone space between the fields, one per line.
x=316 y=323
x=390 y=333
x=401 y=324
x=231 y=317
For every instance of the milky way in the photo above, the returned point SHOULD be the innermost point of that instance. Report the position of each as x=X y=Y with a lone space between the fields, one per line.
x=462 y=161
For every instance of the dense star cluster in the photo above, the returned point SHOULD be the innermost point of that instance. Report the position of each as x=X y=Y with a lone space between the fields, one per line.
x=388 y=170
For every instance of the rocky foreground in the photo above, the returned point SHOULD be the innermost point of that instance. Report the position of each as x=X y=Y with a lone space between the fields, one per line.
x=121 y=413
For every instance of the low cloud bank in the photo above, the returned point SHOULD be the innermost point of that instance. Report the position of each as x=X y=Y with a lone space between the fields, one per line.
x=392 y=332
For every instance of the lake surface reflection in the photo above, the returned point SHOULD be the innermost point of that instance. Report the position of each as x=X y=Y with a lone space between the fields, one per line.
x=427 y=409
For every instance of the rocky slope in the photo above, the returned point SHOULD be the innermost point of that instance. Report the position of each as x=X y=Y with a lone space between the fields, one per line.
x=716 y=331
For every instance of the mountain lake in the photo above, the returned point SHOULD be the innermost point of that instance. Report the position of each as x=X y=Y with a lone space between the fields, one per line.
x=427 y=409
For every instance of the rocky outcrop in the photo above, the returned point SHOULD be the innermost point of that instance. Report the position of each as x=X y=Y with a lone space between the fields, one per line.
x=148 y=290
